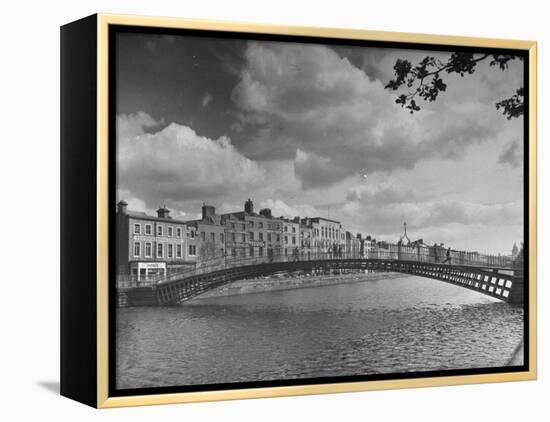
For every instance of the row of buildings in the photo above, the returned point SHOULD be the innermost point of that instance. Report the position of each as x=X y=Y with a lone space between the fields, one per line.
x=154 y=245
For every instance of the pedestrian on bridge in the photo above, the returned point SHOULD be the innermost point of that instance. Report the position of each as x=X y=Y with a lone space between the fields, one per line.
x=448 y=257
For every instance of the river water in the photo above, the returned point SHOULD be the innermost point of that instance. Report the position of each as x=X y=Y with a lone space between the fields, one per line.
x=371 y=327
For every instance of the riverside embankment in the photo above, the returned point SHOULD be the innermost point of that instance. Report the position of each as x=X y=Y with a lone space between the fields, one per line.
x=272 y=284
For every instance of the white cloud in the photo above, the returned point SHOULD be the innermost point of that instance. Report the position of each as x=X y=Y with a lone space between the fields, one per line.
x=176 y=164
x=309 y=104
x=281 y=209
x=206 y=99
x=432 y=216
x=512 y=154
x=381 y=194
x=130 y=125
x=313 y=170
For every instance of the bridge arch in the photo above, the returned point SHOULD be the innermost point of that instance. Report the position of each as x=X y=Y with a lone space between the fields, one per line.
x=499 y=282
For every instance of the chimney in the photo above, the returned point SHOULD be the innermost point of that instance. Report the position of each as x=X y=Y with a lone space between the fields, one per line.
x=249 y=206
x=208 y=211
x=163 y=212
x=266 y=212
x=122 y=207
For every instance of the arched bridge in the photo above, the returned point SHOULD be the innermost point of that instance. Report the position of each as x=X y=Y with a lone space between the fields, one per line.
x=496 y=276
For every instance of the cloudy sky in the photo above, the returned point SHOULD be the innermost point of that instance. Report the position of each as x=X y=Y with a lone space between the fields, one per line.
x=309 y=130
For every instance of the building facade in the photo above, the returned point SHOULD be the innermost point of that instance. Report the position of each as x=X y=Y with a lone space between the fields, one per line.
x=208 y=237
x=149 y=246
x=264 y=232
x=236 y=236
x=291 y=236
x=329 y=237
x=307 y=240
x=353 y=245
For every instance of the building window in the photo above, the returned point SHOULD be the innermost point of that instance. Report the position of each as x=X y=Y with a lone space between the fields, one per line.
x=261 y=236
x=286 y=228
x=192 y=250
x=192 y=234
x=243 y=237
x=251 y=236
x=148 y=249
x=269 y=237
x=232 y=237
x=293 y=240
x=170 y=252
x=159 y=230
x=159 y=250
x=213 y=237
x=286 y=239
x=137 y=249
x=293 y=229
x=260 y=251
x=221 y=237
x=137 y=228
x=148 y=230
x=252 y=224
x=178 y=251
x=261 y=225
x=170 y=231
x=278 y=238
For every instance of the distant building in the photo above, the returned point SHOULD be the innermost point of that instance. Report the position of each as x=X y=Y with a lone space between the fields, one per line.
x=369 y=246
x=291 y=236
x=329 y=237
x=147 y=245
x=209 y=236
x=264 y=232
x=236 y=236
x=307 y=240
x=353 y=245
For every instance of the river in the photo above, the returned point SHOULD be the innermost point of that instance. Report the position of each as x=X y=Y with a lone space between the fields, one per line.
x=371 y=327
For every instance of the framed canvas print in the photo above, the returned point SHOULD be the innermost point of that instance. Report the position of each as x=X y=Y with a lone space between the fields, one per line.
x=257 y=211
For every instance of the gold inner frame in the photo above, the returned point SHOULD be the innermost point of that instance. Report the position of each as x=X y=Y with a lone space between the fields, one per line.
x=103 y=399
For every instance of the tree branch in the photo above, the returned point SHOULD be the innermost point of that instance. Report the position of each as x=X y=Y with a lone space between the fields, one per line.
x=460 y=63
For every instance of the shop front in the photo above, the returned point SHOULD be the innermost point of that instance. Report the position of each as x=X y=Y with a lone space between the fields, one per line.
x=146 y=270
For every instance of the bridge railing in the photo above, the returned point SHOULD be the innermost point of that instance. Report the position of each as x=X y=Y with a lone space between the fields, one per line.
x=419 y=253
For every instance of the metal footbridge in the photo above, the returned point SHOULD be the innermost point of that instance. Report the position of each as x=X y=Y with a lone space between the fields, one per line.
x=500 y=277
